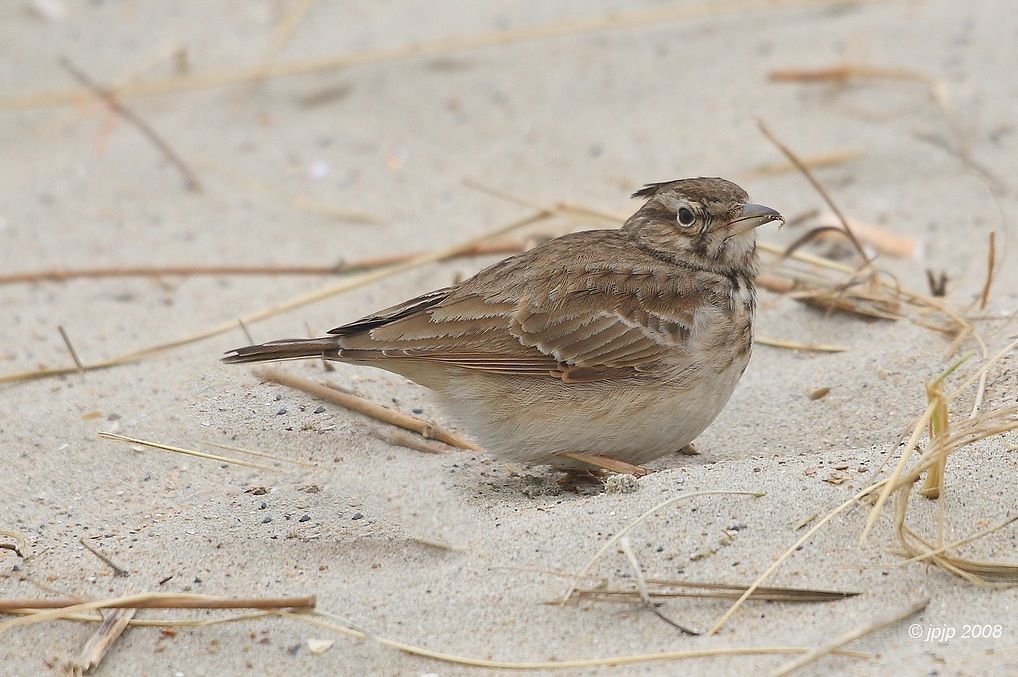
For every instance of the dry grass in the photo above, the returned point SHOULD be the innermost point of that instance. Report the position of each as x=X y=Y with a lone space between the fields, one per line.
x=943 y=440
x=636 y=522
x=114 y=437
x=864 y=291
x=56 y=609
x=20 y=544
x=497 y=38
x=115 y=622
x=851 y=636
x=32 y=612
x=360 y=405
x=352 y=282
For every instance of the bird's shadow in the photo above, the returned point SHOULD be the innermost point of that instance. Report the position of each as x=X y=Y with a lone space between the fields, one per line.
x=487 y=480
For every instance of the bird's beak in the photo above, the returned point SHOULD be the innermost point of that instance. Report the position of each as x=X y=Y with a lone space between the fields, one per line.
x=753 y=216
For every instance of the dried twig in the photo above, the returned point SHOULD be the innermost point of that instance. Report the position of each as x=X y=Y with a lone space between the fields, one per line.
x=260 y=454
x=641 y=585
x=407 y=440
x=847 y=72
x=794 y=159
x=245 y=330
x=668 y=587
x=119 y=571
x=20 y=544
x=190 y=180
x=187 y=452
x=326 y=620
x=367 y=408
x=115 y=621
x=794 y=345
x=57 y=608
x=70 y=349
x=991 y=256
x=937 y=283
x=151 y=622
x=770 y=594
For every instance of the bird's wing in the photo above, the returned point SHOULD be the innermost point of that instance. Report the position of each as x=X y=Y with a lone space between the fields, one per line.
x=584 y=318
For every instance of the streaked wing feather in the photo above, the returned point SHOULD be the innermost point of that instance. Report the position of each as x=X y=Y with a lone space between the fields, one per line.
x=393 y=313
x=578 y=322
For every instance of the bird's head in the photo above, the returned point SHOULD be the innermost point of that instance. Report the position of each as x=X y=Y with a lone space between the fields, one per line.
x=708 y=222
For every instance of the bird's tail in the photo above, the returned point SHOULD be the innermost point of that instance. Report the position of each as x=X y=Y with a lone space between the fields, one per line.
x=286 y=349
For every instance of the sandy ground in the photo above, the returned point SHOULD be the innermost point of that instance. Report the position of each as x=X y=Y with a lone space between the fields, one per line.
x=585 y=118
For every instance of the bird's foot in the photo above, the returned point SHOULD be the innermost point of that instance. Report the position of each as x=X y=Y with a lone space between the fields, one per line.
x=578 y=479
x=607 y=463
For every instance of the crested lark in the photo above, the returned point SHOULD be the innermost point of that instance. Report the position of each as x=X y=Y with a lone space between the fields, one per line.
x=619 y=343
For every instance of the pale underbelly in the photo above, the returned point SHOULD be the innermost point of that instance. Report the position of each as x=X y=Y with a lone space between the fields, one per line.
x=533 y=420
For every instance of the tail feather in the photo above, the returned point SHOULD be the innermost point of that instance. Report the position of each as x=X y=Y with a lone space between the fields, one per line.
x=286 y=349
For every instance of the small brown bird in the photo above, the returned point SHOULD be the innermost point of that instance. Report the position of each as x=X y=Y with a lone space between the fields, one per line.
x=622 y=343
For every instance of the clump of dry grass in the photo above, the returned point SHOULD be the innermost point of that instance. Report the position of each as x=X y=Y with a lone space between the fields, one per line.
x=943 y=439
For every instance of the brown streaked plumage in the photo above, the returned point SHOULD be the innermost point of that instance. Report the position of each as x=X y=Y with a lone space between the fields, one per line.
x=622 y=343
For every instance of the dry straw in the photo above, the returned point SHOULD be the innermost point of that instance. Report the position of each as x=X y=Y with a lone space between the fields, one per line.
x=367 y=408
x=114 y=437
x=347 y=284
x=32 y=612
x=636 y=522
x=901 y=480
x=511 y=36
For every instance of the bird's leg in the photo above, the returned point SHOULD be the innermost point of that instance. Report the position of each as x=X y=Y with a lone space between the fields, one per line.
x=607 y=463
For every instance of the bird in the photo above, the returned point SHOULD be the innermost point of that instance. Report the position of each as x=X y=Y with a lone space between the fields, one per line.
x=618 y=344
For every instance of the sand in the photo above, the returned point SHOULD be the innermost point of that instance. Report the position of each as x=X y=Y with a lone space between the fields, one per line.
x=585 y=118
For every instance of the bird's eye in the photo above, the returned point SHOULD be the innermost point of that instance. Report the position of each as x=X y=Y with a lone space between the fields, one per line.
x=686 y=217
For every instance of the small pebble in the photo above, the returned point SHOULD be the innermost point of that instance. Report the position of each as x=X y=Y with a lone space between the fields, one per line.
x=417 y=411
x=319 y=410
x=263 y=505
x=357 y=516
x=282 y=410
x=266 y=520
x=305 y=518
